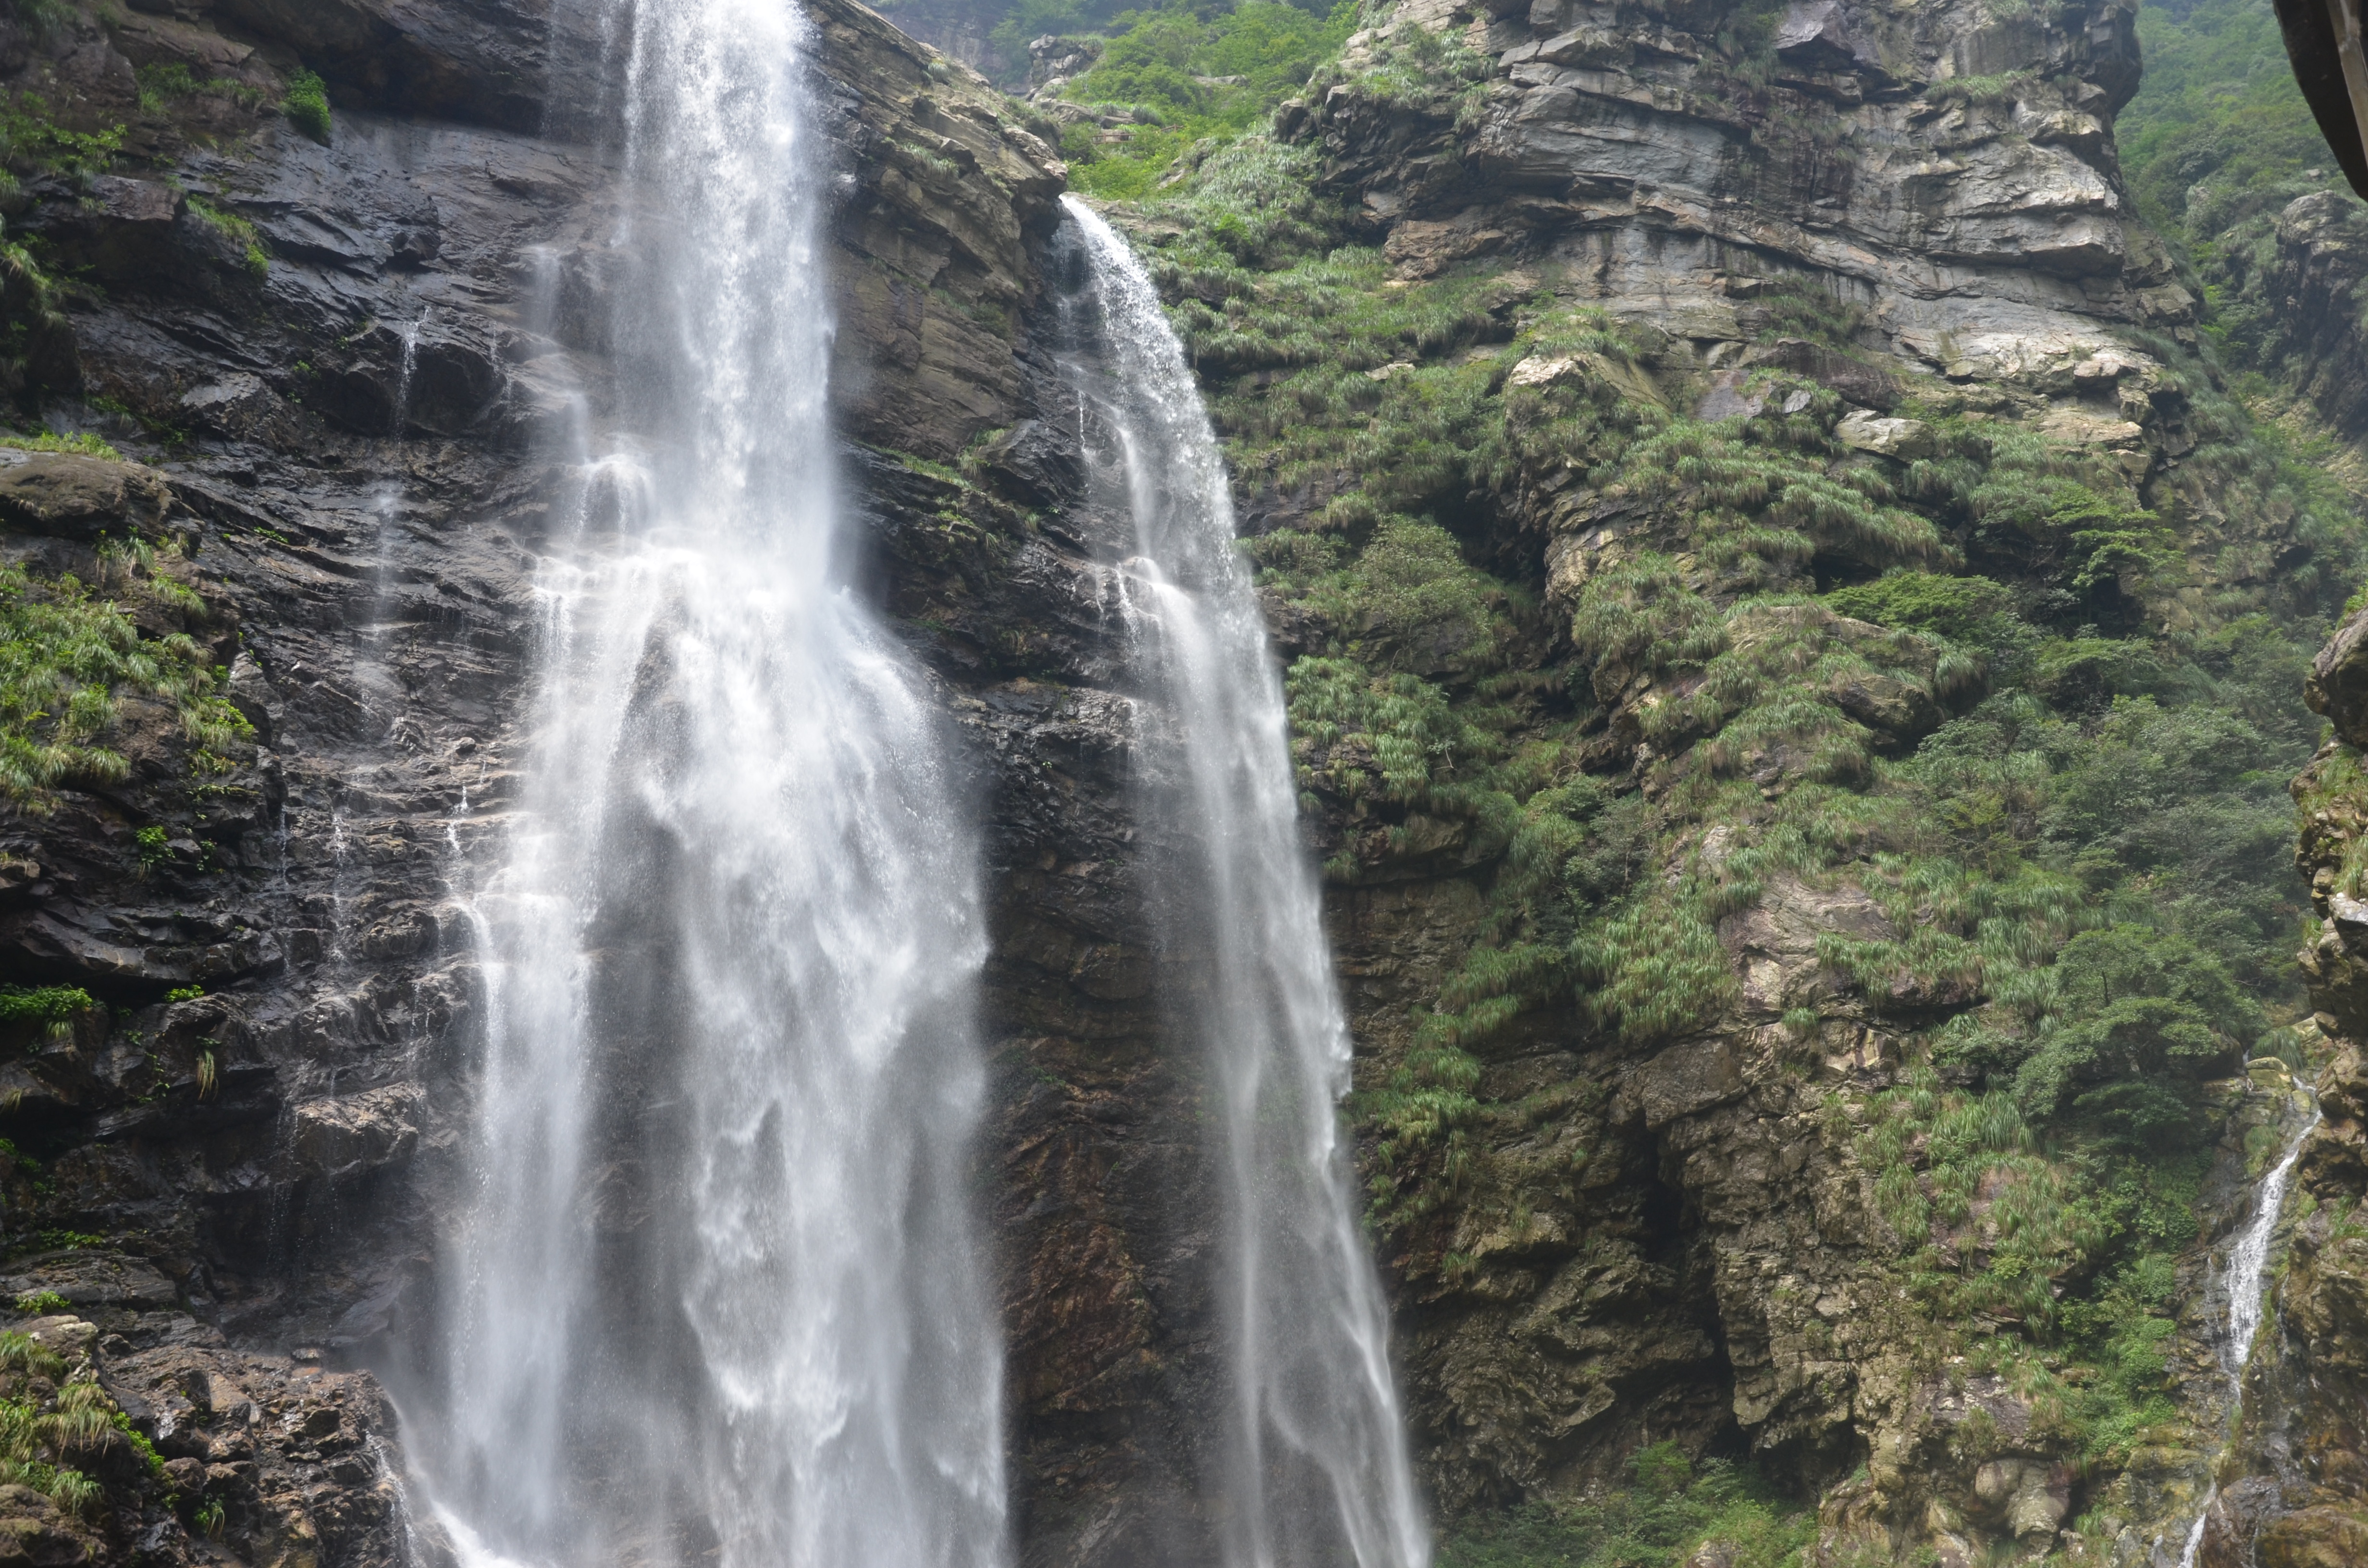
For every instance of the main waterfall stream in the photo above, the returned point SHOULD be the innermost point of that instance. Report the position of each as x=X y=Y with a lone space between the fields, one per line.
x=718 y=1294
x=1315 y=1463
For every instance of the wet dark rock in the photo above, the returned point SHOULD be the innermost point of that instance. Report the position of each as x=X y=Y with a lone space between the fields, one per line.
x=1035 y=464
x=475 y=59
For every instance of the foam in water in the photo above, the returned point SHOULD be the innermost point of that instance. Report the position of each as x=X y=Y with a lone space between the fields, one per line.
x=718 y=1293
x=1317 y=1463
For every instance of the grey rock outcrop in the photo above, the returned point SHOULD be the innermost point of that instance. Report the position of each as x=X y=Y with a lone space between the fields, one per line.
x=1947 y=170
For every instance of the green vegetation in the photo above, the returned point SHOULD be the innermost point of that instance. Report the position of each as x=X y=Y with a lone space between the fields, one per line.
x=2039 y=719
x=42 y=1301
x=1011 y=24
x=1671 y=1509
x=32 y=324
x=162 y=86
x=35 y=340
x=41 y=17
x=39 y=1429
x=241 y=232
x=32 y=142
x=139 y=1443
x=2217 y=143
x=307 y=106
x=2218 y=127
x=66 y=653
x=82 y=442
x=52 y=1008
x=1185 y=83
x=70 y=1241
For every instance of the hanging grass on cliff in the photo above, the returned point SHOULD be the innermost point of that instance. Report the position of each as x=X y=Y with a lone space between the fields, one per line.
x=1633 y=672
x=67 y=654
x=1174 y=83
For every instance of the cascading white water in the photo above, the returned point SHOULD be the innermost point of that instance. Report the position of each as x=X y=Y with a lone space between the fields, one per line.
x=718 y=1294
x=1318 y=1471
x=2249 y=1261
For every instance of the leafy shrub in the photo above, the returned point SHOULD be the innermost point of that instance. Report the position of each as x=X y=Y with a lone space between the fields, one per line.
x=43 y=1004
x=32 y=142
x=307 y=106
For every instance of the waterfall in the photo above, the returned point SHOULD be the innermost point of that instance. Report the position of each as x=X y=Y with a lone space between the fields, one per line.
x=2249 y=1261
x=1317 y=1470
x=716 y=1293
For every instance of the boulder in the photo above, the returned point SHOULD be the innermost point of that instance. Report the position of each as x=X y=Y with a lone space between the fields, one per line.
x=167 y=41
x=239 y=404
x=349 y=1135
x=1902 y=438
x=1901 y=711
x=2337 y=684
x=1816 y=34
x=120 y=230
x=68 y=496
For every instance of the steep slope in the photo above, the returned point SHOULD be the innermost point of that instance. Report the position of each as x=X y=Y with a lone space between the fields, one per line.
x=2293 y=1489
x=1797 y=653
x=2226 y=160
x=1794 y=657
x=240 y=1047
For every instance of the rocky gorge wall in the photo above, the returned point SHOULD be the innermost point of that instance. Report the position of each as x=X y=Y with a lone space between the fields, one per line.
x=1894 y=237
x=1723 y=1082
x=353 y=362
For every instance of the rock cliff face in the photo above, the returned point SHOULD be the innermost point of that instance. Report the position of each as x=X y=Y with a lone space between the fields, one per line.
x=1950 y=167
x=348 y=360
x=2295 y=1491
x=1690 y=1242
x=343 y=367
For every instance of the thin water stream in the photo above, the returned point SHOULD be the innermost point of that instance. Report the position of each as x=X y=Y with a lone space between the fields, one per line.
x=1317 y=1472
x=2248 y=1263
